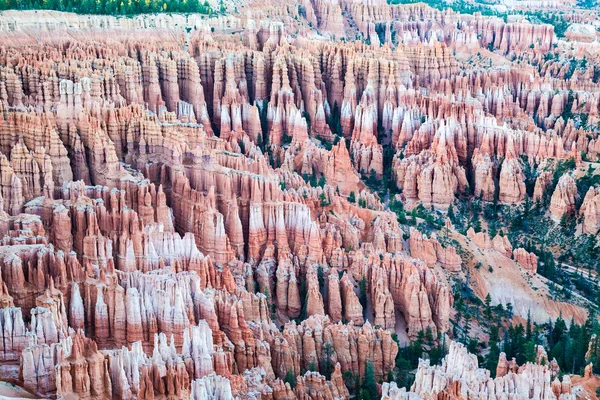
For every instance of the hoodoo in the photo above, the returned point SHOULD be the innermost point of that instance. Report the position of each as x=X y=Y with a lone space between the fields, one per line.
x=300 y=199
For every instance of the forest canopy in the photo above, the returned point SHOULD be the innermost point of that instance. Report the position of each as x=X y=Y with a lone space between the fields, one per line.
x=110 y=7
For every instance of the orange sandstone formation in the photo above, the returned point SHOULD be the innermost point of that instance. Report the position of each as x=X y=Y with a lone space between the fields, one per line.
x=194 y=207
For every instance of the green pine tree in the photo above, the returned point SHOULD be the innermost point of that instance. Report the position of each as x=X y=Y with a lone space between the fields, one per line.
x=369 y=385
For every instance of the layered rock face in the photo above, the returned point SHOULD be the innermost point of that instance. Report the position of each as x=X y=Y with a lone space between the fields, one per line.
x=528 y=261
x=563 y=198
x=158 y=239
x=431 y=251
x=187 y=204
x=590 y=212
x=459 y=376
